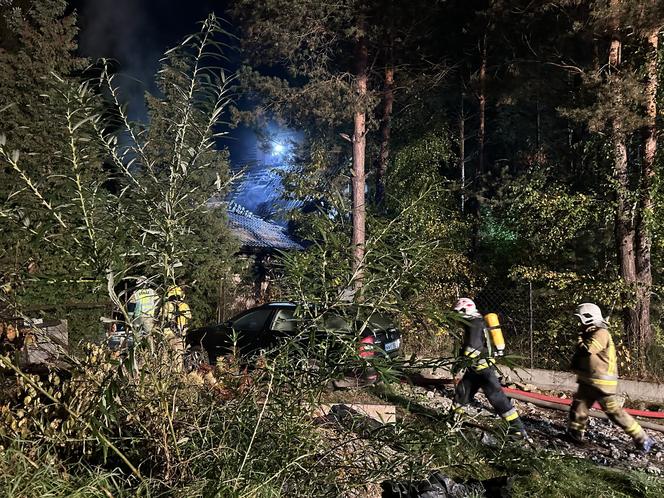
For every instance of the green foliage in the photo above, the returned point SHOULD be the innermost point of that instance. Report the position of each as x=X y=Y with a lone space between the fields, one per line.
x=567 y=477
x=420 y=165
x=90 y=199
x=311 y=44
x=155 y=221
x=38 y=40
x=415 y=259
x=222 y=434
x=555 y=294
x=25 y=473
x=547 y=217
x=171 y=169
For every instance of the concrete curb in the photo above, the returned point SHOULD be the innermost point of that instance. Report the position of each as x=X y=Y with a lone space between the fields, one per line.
x=564 y=381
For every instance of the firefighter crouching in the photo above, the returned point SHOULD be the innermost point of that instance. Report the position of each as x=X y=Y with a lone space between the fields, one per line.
x=481 y=372
x=596 y=366
x=176 y=316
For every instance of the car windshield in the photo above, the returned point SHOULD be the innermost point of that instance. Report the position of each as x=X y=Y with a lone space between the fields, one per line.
x=253 y=321
x=284 y=321
x=381 y=321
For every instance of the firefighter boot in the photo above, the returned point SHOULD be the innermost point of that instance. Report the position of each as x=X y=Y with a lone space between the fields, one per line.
x=576 y=436
x=457 y=414
x=645 y=445
x=517 y=431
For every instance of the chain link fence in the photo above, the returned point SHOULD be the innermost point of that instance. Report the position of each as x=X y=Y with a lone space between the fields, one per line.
x=538 y=325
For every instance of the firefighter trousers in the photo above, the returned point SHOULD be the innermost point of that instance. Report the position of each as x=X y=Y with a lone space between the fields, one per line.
x=176 y=344
x=486 y=380
x=584 y=399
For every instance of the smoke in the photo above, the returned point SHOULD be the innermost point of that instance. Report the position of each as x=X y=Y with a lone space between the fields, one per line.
x=136 y=33
x=125 y=31
x=265 y=157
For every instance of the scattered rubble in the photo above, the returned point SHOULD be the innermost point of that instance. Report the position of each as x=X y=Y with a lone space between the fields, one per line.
x=607 y=444
x=436 y=486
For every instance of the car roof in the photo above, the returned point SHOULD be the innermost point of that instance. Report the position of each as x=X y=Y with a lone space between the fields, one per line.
x=280 y=305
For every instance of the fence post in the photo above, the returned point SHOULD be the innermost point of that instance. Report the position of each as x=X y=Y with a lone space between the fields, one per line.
x=530 y=316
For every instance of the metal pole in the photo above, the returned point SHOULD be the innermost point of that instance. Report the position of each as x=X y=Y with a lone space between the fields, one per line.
x=221 y=301
x=530 y=306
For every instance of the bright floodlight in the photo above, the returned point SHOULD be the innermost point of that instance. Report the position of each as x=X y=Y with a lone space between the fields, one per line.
x=278 y=149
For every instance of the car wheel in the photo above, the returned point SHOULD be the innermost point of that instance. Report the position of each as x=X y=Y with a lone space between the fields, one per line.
x=195 y=357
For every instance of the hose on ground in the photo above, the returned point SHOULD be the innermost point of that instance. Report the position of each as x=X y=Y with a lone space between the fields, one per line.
x=565 y=408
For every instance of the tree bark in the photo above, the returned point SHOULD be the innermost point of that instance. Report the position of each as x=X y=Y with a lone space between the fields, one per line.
x=385 y=130
x=481 y=135
x=462 y=154
x=645 y=213
x=359 y=147
x=625 y=232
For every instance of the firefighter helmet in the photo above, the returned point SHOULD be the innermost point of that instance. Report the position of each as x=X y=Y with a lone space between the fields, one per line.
x=466 y=307
x=590 y=314
x=175 y=291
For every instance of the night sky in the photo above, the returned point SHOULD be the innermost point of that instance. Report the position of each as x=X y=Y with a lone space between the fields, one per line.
x=136 y=33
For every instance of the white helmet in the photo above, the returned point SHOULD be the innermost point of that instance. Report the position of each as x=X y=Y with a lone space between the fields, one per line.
x=590 y=314
x=466 y=307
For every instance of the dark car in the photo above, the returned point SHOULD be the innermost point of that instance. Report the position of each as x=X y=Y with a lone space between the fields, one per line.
x=263 y=328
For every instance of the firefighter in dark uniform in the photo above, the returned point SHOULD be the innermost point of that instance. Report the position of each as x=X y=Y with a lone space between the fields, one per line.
x=481 y=372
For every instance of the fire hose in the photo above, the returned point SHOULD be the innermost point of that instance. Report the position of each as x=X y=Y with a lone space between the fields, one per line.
x=553 y=403
x=567 y=401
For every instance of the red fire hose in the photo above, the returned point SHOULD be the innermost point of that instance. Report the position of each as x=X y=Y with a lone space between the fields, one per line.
x=550 y=402
x=568 y=401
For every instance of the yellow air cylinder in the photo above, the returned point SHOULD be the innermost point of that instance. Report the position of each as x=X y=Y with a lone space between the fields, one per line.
x=495 y=333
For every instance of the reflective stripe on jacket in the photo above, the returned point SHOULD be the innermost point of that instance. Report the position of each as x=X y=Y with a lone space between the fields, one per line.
x=595 y=361
x=145 y=301
x=474 y=344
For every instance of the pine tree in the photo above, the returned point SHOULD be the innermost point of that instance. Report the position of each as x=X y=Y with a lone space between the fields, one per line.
x=324 y=49
x=39 y=70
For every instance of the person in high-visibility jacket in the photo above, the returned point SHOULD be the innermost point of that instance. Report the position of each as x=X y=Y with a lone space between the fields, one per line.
x=143 y=305
x=176 y=315
x=481 y=372
x=596 y=366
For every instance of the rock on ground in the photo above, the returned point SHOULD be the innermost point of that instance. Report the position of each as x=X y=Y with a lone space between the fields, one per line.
x=607 y=444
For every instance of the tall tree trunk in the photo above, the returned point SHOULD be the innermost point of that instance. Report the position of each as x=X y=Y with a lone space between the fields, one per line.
x=481 y=141
x=385 y=130
x=481 y=135
x=624 y=230
x=462 y=154
x=624 y=226
x=643 y=239
x=359 y=147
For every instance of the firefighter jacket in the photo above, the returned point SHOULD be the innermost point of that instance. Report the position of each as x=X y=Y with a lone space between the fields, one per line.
x=594 y=361
x=474 y=344
x=145 y=303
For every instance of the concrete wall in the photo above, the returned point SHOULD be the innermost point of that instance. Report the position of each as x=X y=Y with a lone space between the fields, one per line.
x=565 y=381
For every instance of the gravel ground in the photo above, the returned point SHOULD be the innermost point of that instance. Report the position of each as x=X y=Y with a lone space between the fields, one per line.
x=607 y=444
